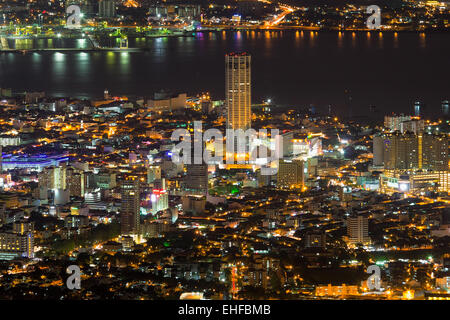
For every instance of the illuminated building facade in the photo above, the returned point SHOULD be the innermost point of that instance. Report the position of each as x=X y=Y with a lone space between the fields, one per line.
x=412 y=151
x=434 y=152
x=330 y=290
x=400 y=151
x=64 y=178
x=358 y=230
x=194 y=204
x=393 y=122
x=415 y=126
x=412 y=162
x=129 y=211
x=238 y=90
x=196 y=179
x=290 y=174
x=37 y=162
x=301 y=146
x=414 y=181
x=171 y=11
x=159 y=200
x=154 y=228
x=164 y=101
x=106 y=8
x=19 y=241
x=153 y=173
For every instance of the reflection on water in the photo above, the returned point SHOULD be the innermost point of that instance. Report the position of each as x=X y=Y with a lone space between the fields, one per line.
x=340 y=42
x=369 y=42
x=380 y=40
x=23 y=43
x=111 y=58
x=422 y=40
x=81 y=43
x=312 y=36
x=124 y=64
x=303 y=67
x=237 y=37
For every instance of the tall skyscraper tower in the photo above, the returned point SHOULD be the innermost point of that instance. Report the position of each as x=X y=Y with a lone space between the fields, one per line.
x=238 y=90
x=130 y=206
x=378 y=155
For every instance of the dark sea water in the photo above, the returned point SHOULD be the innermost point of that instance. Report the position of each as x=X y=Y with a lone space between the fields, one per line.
x=349 y=71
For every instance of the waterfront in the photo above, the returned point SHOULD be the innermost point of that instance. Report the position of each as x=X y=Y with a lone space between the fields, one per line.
x=349 y=70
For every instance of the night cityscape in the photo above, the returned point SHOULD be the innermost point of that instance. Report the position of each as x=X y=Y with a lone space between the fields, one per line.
x=224 y=150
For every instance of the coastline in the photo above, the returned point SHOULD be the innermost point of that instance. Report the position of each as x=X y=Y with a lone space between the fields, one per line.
x=193 y=34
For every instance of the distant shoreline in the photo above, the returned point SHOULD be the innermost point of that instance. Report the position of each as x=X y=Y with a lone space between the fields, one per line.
x=234 y=30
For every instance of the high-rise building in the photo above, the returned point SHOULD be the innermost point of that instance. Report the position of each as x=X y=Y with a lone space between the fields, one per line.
x=196 y=179
x=106 y=8
x=412 y=151
x=238 y=90
x=153 y=173
x=17 y=242
x=64 y=178
x=358 y=230
x=54 y=177
x=162 y=10
x=400 y=151
x=159 y=200
x=415 y=126
x=105 y=180
x=290 y=174
x=130 y=206
x=194 y=204
x=393 y=122
x=378 y=150
x=434 y=152
x=404 y=123
x=418 y=106
x=445 y=107
x=75 y=182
